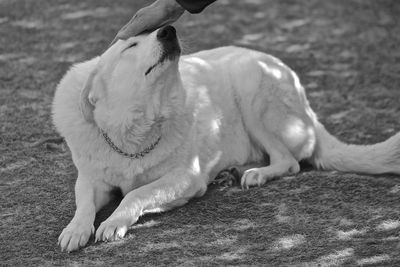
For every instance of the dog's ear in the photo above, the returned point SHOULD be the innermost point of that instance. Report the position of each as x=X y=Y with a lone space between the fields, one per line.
x=85 y=105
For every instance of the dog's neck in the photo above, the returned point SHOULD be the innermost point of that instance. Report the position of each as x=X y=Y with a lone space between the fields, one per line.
x=167 y=133
x=141 y=137
x=121 y=149
x=129 y=145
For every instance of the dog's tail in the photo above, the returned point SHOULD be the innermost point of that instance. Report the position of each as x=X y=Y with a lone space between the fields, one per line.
x=332 y=154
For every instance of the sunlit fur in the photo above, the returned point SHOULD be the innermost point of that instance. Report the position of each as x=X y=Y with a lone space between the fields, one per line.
x=213 y=110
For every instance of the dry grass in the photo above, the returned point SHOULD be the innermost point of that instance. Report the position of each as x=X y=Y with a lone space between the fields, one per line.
x=347 y=54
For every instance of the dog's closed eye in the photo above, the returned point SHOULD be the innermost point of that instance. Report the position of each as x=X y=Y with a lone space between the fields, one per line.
x=132 y=45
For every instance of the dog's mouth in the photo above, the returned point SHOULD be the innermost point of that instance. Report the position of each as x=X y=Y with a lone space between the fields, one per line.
x=169 y=45
x=164 y=57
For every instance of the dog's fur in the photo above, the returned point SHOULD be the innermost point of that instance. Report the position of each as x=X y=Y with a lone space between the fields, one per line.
x=213 y=110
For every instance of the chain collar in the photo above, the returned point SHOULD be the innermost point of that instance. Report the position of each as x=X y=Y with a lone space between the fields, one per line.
x=129 y=155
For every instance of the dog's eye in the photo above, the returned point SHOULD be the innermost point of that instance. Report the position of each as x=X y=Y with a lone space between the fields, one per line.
x=132 y=45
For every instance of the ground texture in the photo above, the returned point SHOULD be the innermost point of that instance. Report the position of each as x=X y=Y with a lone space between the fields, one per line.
x=347 y=54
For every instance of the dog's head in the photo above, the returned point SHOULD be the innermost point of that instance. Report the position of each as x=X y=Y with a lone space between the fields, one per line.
x=132 y=80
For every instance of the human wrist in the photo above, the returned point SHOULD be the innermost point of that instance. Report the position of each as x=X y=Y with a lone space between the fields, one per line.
x=174 y=7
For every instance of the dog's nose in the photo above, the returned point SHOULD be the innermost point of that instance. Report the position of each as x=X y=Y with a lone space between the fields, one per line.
x=167 y=33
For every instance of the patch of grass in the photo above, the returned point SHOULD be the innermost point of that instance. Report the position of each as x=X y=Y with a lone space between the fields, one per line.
x=347 y=55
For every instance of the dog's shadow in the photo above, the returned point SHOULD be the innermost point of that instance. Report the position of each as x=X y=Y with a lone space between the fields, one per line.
x=108 y=209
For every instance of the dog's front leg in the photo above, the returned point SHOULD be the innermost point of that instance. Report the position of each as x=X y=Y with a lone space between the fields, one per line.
x=90 y=197
x=170 y=191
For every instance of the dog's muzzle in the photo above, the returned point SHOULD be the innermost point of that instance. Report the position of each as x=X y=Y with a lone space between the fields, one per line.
x=169 y=41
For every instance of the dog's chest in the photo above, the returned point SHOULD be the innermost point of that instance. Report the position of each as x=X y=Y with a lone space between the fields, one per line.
x=114 y=171
x=126 y=174
x=117 y=176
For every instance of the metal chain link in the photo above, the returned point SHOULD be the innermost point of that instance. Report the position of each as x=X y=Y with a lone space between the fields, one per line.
x=126 y=154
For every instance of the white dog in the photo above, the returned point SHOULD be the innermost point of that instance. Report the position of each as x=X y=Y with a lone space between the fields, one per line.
x=160 y=127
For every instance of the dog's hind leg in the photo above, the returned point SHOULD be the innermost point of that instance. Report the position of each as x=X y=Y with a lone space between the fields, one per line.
x=281 y=163
x=277 y=122
x=268 y=136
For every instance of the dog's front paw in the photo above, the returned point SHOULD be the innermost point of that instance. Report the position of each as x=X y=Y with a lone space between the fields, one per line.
x=112 y=229
x=75 y=235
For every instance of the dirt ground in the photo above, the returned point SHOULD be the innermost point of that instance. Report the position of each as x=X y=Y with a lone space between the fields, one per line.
x=347 y=54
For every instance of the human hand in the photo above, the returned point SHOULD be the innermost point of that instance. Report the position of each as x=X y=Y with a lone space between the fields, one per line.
x=158 y=14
